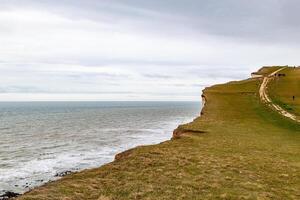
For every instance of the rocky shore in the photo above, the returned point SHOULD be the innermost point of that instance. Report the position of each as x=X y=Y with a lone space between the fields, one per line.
x=8 y=195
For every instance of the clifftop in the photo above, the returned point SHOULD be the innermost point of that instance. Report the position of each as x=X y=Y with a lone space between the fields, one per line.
x=240 y=148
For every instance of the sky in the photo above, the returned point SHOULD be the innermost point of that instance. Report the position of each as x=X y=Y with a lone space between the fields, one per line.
x=126 y=50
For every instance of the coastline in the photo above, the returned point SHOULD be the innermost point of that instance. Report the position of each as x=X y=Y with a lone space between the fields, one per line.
x=60 y=175
x=226 y=153
x=119 y=156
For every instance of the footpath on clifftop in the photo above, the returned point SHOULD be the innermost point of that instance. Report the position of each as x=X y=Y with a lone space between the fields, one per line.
x=240 y=148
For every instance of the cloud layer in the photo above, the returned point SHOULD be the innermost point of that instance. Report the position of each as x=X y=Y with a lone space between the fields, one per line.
x=139 y=50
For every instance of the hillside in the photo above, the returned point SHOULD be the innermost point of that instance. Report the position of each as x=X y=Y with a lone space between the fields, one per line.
x=283 y=88
x=239 y=148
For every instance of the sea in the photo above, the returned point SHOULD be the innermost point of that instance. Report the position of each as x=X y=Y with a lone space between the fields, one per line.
x=39 y=141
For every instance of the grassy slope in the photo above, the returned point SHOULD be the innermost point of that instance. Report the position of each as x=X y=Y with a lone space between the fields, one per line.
x=246 y=152
x=282 y=89
x=268 y=70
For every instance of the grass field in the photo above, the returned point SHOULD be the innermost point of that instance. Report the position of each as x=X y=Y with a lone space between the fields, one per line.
x=238 y=149
x=282 y=90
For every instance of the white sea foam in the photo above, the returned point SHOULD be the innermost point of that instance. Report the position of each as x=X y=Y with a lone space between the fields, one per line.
x=37 y=142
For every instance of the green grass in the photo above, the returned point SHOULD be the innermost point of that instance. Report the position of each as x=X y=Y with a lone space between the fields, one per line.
x=282 y=90
x=268 y=70
x=239 y=149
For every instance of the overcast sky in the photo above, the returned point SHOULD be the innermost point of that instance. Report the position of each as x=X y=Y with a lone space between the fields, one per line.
x=137 y=49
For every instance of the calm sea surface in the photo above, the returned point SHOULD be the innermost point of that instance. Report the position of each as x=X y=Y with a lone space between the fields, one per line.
x=40 y=139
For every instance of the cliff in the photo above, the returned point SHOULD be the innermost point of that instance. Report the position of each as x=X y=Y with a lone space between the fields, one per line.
x=239 y=148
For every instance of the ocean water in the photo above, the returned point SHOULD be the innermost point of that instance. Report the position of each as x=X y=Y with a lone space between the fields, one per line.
x=40 y=139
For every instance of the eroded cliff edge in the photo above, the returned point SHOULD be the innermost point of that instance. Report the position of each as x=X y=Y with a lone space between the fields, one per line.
x=238 y=149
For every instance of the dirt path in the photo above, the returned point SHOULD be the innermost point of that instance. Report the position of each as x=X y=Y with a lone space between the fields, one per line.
x=265 y=98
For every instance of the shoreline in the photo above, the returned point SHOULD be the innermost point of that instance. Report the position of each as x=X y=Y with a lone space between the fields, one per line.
x=225 y=153
x=8 y=194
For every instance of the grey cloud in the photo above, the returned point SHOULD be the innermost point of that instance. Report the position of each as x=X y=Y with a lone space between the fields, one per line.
x=158 y=76
x=20 y=89
x=209 y=34
x=36 y=90
x=217 y=72
x=199 y=85
x=258 y=20
x=262 y=20
x=78 y=75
